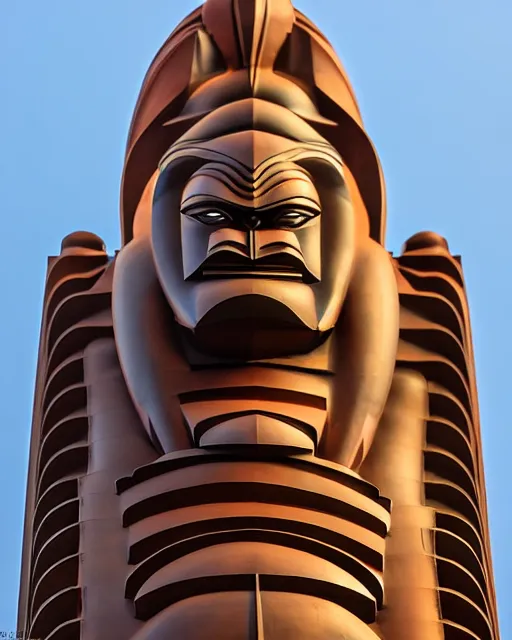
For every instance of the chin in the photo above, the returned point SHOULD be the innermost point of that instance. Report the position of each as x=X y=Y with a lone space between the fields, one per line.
x=237 y=321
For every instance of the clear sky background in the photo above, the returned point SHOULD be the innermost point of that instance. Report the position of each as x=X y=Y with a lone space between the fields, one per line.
x=434 y=83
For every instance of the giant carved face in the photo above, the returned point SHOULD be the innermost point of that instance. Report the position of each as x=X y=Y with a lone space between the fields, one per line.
x=253 y=233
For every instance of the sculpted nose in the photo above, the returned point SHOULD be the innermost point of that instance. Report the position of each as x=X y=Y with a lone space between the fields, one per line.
x=228 y=239
x=270 y=241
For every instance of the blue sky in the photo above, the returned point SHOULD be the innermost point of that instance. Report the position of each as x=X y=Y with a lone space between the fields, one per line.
x=433 y=81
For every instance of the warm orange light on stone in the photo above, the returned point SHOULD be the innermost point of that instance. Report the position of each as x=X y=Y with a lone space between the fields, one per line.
x=253 y=422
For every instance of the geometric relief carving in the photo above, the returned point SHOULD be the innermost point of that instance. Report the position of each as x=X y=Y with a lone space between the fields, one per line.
x=230 y=532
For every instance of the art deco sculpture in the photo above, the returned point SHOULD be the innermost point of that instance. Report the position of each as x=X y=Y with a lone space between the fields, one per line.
x=254 y=422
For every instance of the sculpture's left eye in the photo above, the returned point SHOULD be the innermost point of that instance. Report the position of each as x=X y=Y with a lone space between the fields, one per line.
x=211 y=217
x=292 y=219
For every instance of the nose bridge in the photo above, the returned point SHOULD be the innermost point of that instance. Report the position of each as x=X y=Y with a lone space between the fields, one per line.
x=251 y=220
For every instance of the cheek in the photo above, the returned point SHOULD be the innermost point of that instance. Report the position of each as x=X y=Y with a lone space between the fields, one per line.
x=338 y=239
x=195 y=238
x=166 y=230
x=338 y=252
x=310 y=240
x=166 y=240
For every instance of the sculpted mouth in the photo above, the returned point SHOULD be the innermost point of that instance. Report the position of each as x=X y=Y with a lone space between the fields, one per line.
x=279 y=272
x=275 y=262
x=228 y=262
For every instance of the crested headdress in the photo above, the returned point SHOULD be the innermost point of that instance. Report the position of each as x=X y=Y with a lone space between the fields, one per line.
x=233 y=50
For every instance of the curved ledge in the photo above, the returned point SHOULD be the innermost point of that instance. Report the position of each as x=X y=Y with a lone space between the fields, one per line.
x=436 y=369
x=72 y=280
x=67 y=631
x=450 y=547
x=62 y=491
x=436 y=282
x=66 y=403
x=70 y=430
x=462 y=611
x=69 y=461
x=445 y=492
x=61 y=608
x=252 y=492
x=438 y=340
x=76 y=338
x=149 y=604
x=73 y=264
x=255 y=392
x=446 y=405
x=446 y=465
x=446 y=434
x=57 y=519
x=69 y=373
x=435 y=308
x=63 y=544
x=433 y=262
x=74 y=308
x=152 y=536
x=270 y=483
x=312 y=464
x=168 y=554
x=460 y=527
x=62 y=575
x=455 y=577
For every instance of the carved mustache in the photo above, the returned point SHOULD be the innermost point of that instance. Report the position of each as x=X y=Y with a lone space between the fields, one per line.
x=275 y=259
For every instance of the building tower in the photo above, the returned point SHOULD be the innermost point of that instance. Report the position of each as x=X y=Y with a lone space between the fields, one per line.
x=252 y=421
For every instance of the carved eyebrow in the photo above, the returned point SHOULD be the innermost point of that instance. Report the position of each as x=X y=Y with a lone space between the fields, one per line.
x=200 y=151
x=202 y=203
x=299 y=203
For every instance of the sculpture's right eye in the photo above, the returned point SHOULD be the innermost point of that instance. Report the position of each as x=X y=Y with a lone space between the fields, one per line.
x=211 y=217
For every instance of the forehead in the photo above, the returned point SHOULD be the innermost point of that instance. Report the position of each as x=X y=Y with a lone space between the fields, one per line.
x=251 y=149
x=281 y=182
x=253 y=168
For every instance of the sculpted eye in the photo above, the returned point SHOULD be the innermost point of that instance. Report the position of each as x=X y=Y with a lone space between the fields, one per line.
x=292 y=219
x=211 y=217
